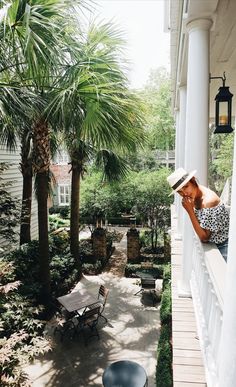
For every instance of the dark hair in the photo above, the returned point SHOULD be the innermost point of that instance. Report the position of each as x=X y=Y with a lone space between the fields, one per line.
x=194 y=181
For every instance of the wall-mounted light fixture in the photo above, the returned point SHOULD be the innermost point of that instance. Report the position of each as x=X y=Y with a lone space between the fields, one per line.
x=223 y=109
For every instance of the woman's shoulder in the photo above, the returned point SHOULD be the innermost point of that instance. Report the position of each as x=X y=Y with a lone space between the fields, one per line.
x=215 y=210
x=218 y=211
x=211 y=199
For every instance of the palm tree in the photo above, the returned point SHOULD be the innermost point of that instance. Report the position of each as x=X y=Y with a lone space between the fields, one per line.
x=81 y=153
x=34 y=32
x=102 y=112
x=15 y=126
x=81 y=81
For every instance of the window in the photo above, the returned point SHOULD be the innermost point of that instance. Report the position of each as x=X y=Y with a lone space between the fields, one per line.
x=64 y=195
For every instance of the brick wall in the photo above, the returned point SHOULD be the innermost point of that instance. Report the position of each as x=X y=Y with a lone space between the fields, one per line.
x=62 y=177
x=61 y=173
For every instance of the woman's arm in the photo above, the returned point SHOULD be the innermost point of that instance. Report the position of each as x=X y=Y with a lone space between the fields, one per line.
x=203 y=234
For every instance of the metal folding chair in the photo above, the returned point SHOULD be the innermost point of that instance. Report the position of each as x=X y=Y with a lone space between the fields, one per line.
x=102 y=299
x=89 y=319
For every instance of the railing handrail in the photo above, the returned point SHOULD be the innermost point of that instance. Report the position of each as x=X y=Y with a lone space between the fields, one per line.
x=216 y=267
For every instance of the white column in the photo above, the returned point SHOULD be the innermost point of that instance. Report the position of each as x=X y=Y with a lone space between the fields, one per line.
x=177 y=138
x=227 y=368
x=177 y=152
x=182 y=123
x=197 y=122
x=181 y=147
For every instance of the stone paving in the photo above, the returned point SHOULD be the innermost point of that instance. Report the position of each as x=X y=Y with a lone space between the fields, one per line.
x=117 y=262
x=131 y=333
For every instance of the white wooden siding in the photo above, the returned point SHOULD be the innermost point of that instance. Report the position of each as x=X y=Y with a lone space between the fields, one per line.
x=13 y=174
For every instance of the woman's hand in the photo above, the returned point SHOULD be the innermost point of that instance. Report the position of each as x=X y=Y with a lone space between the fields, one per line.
x=188 y=204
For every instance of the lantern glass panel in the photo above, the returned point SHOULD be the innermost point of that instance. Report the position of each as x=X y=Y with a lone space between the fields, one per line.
x=223 y=113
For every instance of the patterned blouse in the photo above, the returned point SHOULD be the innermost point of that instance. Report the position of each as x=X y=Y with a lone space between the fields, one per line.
x=216 y=220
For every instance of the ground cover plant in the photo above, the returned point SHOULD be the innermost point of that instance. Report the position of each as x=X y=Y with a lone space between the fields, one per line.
x=21 y=331
x=25 y=260
x=64 y=274
x=164 y=376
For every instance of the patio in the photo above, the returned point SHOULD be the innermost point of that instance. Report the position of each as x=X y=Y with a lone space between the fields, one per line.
x=131 y=333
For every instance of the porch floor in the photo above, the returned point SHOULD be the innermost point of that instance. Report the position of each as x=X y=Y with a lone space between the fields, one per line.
x=188 y=368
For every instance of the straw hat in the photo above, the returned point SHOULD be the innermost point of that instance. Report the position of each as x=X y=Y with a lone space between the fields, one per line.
x=179 y=178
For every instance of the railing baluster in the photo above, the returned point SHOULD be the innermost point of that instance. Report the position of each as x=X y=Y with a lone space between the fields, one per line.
x=208 y=309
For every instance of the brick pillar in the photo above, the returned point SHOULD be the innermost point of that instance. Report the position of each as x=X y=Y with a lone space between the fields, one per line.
x=99 y=243
x=133 y=245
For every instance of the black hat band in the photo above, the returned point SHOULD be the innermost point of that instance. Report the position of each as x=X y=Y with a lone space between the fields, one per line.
x=180 y=181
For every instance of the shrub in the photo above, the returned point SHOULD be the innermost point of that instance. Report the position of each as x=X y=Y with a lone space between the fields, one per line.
x=165 y=309
x=62 y=210
x=59 y=242
x=65 y=212
x=95 y=268
x=26 y=263
x=20 y=330
x=164 y=354
x=86 y=251
x=63 y=274
x=26 y=268
x=54 y=210
x=56 y=222
x=145 y=238
x=166 y=277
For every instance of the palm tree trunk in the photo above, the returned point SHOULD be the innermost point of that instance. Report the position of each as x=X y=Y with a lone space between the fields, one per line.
x=41 y=168
x=26 y=168
x=25 y=229
x=42 y=186
x=74 y=215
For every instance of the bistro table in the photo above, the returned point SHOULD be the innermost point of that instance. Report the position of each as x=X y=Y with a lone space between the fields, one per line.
x=77 y=300
x=125 y=373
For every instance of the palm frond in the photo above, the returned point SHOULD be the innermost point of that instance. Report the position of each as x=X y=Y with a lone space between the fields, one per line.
x=17 y=109
x=114 y=167
x=35 y=30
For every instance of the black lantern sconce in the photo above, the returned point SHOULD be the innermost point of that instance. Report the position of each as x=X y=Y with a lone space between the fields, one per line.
x=223 y=111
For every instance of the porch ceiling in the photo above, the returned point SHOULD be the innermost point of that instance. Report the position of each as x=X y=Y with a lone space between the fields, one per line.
x=223 y=48
x=222 y=42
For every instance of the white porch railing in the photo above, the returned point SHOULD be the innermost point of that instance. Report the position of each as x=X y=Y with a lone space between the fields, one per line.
x=207 y=284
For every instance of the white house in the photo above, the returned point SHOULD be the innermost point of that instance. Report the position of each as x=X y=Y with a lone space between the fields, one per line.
x=13 y=175
x=60 y=168
x=203 y=42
